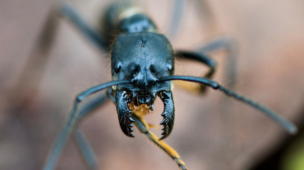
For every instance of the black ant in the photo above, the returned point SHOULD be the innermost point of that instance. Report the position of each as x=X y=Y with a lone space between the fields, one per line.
x=142 y=67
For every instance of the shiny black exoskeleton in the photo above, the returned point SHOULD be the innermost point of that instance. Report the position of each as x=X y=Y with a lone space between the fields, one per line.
x=142 y=58
x=141 y=55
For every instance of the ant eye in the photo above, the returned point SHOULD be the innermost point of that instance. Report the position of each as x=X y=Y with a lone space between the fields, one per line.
x=169 y=66
x=117 y=67
x=152 y=69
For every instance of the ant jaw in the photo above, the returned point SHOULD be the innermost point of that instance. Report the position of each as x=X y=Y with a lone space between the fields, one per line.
x=168 y=113
x=124 y=113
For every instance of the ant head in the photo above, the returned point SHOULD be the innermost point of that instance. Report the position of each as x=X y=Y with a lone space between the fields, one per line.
x=142 y=58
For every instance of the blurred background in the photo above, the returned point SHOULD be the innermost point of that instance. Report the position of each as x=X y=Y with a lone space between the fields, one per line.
x=211 y=132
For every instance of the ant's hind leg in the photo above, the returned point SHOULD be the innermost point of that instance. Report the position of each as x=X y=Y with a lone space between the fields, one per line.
x=90 y=33
x=202 y=55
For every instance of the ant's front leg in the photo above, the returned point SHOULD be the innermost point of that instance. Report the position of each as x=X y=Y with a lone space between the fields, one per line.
x=229 y=45
x=202 y=55
x=85 y=149
x=202 y=58
x=74 y=118
x=79 y=137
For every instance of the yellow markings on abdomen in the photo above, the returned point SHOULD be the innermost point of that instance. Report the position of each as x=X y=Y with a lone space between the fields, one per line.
x=129 y=12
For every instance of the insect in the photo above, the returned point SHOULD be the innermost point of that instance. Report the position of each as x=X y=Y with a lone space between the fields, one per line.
x=142 y=68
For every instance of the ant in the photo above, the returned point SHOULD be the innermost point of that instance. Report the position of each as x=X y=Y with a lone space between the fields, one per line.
x=142 y=68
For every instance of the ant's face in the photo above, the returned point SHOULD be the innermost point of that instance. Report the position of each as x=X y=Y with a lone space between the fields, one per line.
x=142 y=58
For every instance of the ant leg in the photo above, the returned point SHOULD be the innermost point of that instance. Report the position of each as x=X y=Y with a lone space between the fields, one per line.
x=88 y=31
x=142 y=125
x=110 y=95
x=85 y=149
x=74 y=118
x=200 y=57
x=82 y=144
x=29 y=80
x=229 y=45
x=24 y=94
x=176 y=17
x=79 y=137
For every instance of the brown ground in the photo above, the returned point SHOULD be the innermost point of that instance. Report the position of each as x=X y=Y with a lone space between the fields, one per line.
x=270 y=67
